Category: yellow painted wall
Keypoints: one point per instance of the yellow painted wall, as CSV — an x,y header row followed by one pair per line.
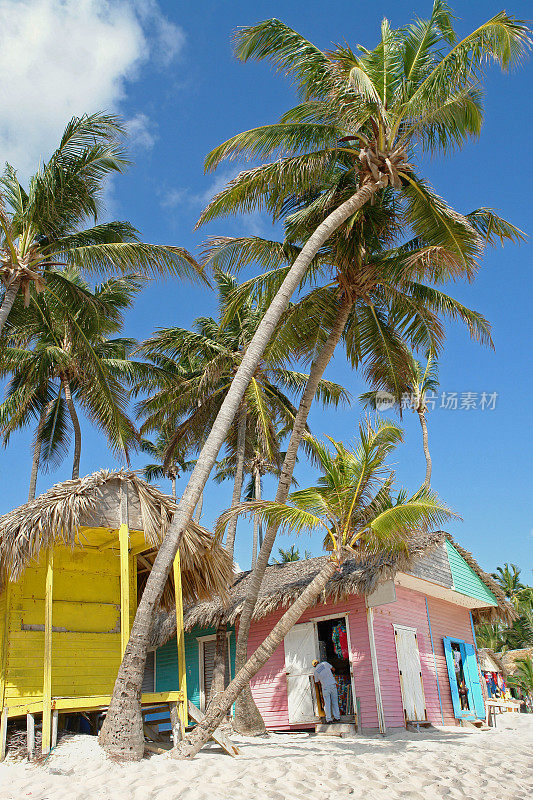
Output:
x,y
85,621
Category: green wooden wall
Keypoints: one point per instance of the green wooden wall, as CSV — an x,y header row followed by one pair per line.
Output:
x,y
166,663
465,579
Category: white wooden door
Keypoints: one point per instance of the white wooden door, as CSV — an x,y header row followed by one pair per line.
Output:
x,y
410,674
301,647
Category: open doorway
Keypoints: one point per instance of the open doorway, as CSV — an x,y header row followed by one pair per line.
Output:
x,y
333,647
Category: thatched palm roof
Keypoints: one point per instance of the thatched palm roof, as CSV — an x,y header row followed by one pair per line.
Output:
x,y
485,653
60,515
283,583
510,657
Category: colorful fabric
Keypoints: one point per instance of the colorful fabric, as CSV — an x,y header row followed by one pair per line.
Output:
x,y
344,689
340,640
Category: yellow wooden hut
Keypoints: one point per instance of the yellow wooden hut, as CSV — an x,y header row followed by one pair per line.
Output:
x,y
72,565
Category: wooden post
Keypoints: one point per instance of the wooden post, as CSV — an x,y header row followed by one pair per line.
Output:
x,y
47,673
3,732
55,721
123,537
375,670
30,734
180,640
4,640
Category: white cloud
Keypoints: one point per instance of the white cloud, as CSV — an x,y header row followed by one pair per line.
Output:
x,y
61,58
141,132
252,224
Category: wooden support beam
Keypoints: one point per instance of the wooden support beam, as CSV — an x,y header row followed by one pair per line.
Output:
x,y
3,732
30,734
124,537
55,722
180,639
47,671
4,638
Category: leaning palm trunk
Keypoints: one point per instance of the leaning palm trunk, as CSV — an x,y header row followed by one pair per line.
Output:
x,y
77,430
219,666
423,423
247,718
122,732
198,509
7,303
257,496
37,452
203,730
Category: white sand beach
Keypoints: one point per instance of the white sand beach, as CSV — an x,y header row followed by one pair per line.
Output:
x,y
445,762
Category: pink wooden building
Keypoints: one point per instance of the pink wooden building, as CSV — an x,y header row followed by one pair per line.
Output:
x,y
402,641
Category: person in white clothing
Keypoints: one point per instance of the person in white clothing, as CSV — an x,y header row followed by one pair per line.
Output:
x,y
324,676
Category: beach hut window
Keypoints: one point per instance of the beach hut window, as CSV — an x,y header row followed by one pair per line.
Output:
x,y
149,673
463,674
207,664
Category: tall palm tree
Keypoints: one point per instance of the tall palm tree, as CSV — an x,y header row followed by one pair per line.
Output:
x,y
70,351
508,577
353,507
418,86
208,358
415,384
43,226
164,466
377,291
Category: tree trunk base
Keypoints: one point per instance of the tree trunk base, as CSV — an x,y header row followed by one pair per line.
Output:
x,y
127,742
248,721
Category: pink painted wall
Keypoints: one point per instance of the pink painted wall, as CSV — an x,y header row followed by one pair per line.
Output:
x,y
447,619
409,609
269,686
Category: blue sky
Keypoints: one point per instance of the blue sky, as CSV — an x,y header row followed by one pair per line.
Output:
x,y
169,70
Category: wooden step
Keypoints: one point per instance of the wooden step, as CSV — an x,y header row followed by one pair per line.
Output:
x,y
335,729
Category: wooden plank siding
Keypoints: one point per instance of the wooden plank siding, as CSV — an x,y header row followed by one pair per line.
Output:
x,y
166,663
447,619
85,626
410,610
269,686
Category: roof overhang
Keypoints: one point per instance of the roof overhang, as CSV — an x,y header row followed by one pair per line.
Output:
x,y
441,592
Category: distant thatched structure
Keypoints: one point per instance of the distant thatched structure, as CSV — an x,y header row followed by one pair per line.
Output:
x,y
283,583
510,657
60,515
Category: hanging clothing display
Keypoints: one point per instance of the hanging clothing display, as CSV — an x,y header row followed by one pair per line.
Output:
x,y
344,692
340,640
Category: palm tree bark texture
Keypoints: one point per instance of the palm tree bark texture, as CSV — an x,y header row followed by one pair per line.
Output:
x,y
122,733
247,717
221,649
77,430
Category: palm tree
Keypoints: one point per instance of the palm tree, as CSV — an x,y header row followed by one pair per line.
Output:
x,y
508,577
418,86
208,358
522,678
353,507
163,466
292,554
43,226
415,385
374,296
69,351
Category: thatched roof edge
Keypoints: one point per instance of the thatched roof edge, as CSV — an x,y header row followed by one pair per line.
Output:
x,y
283,583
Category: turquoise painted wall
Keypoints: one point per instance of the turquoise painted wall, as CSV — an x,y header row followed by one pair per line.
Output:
x,y
166,663
465,579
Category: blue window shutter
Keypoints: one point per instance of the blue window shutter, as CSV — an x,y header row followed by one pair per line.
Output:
x,y
458,713
473,674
